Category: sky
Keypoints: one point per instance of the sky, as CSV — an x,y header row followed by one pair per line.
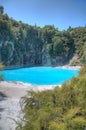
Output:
x,y
60,13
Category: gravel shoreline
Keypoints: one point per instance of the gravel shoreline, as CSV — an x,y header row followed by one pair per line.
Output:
x,y
10,109
10,95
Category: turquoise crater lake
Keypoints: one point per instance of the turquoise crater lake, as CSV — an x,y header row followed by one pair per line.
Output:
x,y
40,75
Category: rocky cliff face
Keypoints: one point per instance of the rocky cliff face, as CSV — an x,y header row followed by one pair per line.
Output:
x,y
10,55
19,47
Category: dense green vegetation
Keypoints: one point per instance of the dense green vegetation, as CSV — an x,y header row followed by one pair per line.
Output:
x,y
22,44
63,108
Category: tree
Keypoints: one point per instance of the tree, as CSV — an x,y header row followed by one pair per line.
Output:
x,y
1,9
57,46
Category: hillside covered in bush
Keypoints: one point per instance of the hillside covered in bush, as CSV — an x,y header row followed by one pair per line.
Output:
x,y
22,44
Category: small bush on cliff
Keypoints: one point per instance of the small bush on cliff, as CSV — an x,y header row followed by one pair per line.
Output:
x,y
1,68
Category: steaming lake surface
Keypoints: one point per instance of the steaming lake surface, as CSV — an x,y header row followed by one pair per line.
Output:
x,y
40,75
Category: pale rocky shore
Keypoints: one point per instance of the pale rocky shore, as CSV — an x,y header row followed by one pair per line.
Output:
x,y
69,67
9,104
10,95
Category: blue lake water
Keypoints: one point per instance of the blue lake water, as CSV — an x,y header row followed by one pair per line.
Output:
x,y
40,75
